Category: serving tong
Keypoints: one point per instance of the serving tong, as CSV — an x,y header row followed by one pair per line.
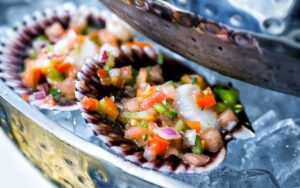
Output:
x,y
232,53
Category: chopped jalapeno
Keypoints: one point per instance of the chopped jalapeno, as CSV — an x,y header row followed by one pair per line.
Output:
x,y
160,58
238,108
107,68
172,113
54,92
197,148
41,38
227,95
146,137
180,126
55,76
144,124
194,80
160,108
33,55
221,107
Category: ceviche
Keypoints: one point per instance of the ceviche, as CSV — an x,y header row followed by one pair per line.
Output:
x,y
57,55
186,118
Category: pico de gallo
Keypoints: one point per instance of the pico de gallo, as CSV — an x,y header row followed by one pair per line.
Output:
x,y
57,55
165,117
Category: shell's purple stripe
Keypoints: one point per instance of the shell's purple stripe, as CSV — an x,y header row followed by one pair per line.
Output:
x,y
88,84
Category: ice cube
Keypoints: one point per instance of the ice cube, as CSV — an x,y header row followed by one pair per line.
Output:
x,y
226,177
80,127
62,118
277,150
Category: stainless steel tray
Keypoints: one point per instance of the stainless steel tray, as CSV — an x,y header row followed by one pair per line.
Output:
x,y
64,157
71,161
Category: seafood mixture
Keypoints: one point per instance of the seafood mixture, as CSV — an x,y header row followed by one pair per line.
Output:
x,y
57,55
186,118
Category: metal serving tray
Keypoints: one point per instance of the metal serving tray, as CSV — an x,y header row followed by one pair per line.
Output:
x,y
71,161
64,157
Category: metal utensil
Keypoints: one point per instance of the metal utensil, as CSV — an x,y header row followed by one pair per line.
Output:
x,y
236,54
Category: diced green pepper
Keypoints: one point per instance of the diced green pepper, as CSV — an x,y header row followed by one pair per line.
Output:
x,y
221,107
55,76
194,80
42,38
228,96
49,47
166,108
54,92
180,126
160,108
33,55
171,82
160,58
101,107
149,69
197,148
172,113
142,115
107,68
144,124
237,108
87,30
111,60
146,137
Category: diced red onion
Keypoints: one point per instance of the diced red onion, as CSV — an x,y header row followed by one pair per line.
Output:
x,y
103,57
167,133
39,95
158,123
43,87
42,45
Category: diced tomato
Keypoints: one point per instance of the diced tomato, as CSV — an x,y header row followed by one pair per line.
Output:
x,y
50,101
25,96
89,103
110,108
193,125
31,77
63,67
102,73
206,101
158,145
153,99
135,132
139,44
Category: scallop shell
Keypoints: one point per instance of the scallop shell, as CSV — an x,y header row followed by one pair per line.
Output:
x,y
13,46
112,133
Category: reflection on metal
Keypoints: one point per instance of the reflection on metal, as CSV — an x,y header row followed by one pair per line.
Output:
x,y
65,165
